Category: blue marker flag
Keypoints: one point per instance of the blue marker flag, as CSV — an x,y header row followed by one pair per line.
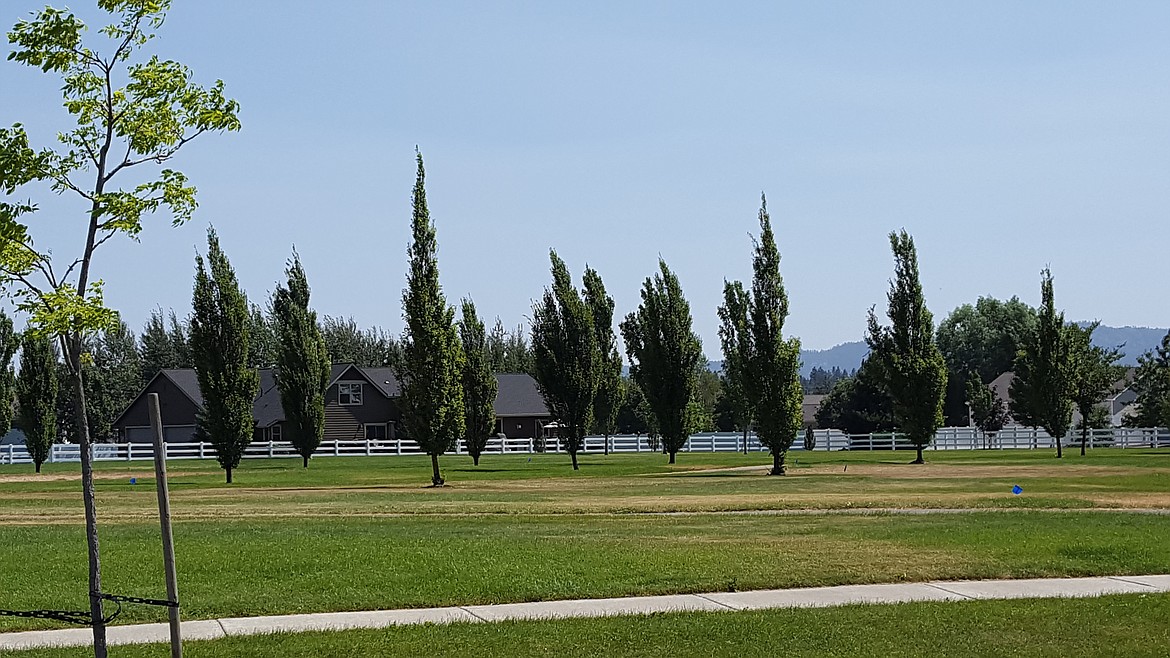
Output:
x,y
133,480
1017,490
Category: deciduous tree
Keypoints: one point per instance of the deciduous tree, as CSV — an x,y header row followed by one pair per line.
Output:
x,y
988,412
9,342
1152,384
564,350
1093,371
905,352
608,397
302,372
665,354
735,339
36,388
479,383
219,344
1042,389
431,368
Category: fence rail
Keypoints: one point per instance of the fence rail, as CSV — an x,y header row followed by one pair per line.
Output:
x,y
947,438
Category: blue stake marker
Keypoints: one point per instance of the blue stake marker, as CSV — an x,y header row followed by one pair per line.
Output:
x,y
133,480
1017,490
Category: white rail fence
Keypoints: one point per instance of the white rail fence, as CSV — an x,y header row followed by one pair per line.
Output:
x,y
947,438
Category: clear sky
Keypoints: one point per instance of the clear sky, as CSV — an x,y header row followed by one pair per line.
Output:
x,y
1004,136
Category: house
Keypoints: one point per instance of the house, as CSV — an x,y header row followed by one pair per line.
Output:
x,y
809,408
360,403
1116,403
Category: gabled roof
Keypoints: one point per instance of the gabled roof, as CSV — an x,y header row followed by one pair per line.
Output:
x,y
185,380
518,396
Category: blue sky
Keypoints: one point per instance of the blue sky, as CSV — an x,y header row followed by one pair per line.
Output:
x,y
1005,136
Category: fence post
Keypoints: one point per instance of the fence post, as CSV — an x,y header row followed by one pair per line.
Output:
x,y
270,448
397,445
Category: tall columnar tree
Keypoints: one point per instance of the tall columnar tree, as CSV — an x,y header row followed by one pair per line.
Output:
x,y
1093,371
302,372
479,383
564,350
906,354
987,410
1042,389
1152,385
219,344
132,116
773,367
665,354
9,342
735,339
431,368
608,398
36,389
263,343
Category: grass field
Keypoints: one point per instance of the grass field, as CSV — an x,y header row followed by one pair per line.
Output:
x,y
1127,625
360,533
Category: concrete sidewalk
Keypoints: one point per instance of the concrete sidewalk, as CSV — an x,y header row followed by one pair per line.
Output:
x,y
814,597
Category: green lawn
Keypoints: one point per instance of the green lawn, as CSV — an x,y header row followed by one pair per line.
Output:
x,y
1124,625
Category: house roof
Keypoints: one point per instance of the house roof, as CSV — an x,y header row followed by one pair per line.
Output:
x,y
809,407
518,396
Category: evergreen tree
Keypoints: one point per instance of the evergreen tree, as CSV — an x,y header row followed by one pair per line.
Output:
x,y
665,355
302,373
1042,389
608,398
112,379
905,353
161,348
564,347
36,388
860,404
773,369
9,342
1152,385
431,366
1093,371
479,383
219,344
346,342
735,339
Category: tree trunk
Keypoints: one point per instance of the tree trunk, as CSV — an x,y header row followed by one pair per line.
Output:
x,y
306,461
671,457
919,460
745,440
1059,449
573,454
475,459
1084,435
38,465
606,445
73,347
778,467
229,474
436,479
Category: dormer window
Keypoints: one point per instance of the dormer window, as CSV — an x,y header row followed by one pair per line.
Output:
x,y
349,393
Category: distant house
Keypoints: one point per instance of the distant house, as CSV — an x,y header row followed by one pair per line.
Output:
x,y
360,403
1116,403
809,409
15,437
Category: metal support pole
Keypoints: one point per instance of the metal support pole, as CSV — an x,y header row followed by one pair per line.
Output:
x,y
164,518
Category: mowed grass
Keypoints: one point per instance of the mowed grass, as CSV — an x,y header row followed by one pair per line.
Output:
x,y
519,484
270,566
1124,625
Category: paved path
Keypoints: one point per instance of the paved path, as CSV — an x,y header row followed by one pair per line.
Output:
x,y
815,597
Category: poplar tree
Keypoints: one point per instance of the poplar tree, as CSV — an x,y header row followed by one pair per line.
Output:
x,y
905,353
1041,391
609,396
1093,370
564,351
219,347
479,383
9,342
735,339
36,388
773,367
302,373
665,354
430,370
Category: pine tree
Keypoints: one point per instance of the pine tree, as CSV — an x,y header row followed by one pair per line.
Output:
x,y
735,339
906,354
302,373
773,369
1042,389
665,355
219,347
9,342
112,379
161,348
564,348
36,388
1152,385
431,366
608,397
479,383
1093,371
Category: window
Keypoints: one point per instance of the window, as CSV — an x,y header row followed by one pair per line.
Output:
x,y
375,432
277,434
349,393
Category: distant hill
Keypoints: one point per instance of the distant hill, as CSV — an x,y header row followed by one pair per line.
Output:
x,y
1133,342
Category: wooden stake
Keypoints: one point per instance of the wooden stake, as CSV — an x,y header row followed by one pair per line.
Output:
x,y
164,518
